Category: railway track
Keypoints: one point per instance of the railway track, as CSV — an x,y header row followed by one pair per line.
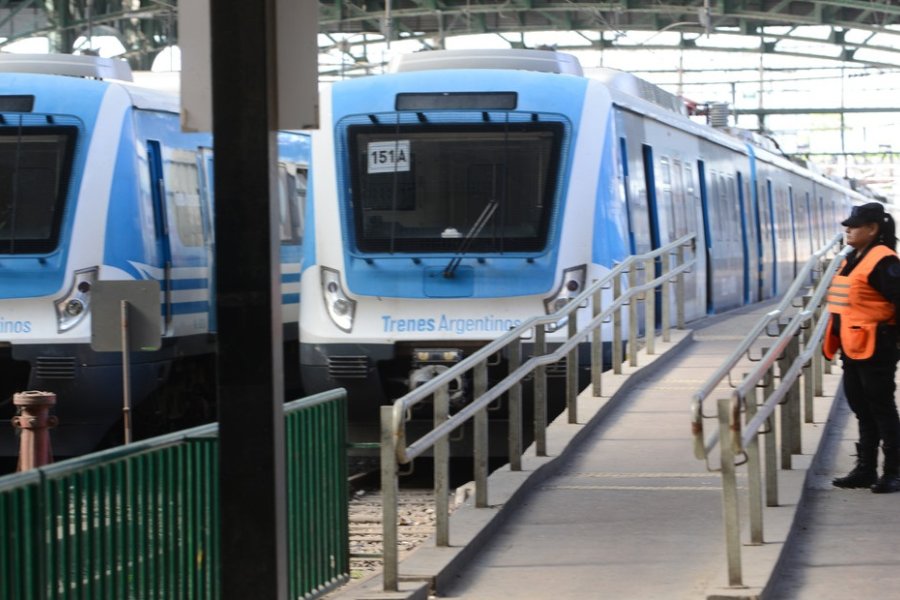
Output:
x,y
416,523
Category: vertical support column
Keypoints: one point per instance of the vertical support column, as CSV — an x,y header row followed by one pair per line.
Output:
x,y
785,411
632,317
650,308
514,360
249,358
729,494
754,476
666,297
794,399
572,371
679,290
389,493
540,393
771,442
597,346
480,434
442,469
617,328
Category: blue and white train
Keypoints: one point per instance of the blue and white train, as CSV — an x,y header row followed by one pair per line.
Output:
x,y
471,190
98,182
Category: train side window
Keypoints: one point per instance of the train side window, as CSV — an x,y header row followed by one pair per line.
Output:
x,y
667,197
292,200
690,198
182,184
678,205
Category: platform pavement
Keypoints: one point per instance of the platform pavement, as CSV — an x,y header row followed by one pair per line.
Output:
x,y
621,508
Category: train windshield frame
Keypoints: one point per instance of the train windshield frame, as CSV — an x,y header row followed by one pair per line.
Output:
x,y
434,188
35,170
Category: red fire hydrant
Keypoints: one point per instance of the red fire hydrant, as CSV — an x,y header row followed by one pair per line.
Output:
x,y
33,422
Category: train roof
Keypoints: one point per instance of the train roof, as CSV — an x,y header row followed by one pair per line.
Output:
x,y
544,61
95,68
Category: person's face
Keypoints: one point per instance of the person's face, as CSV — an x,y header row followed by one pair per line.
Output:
x,y
860,237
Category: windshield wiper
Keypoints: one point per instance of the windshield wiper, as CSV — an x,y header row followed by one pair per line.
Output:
x,y
489,209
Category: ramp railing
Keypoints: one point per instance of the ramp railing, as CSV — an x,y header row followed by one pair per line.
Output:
x,y
663,268
794,350
142,520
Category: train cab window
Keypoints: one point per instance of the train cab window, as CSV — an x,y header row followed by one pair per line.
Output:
x,y
426,188
292,202
182,183
35,164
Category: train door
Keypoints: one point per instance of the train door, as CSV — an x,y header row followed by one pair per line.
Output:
x,y
292,183
631,132
707,222
721,216
766,241
652,201
161,225
187,289
748,240
783,236
207,193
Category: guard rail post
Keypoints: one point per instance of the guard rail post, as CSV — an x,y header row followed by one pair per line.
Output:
x,y
807,374
754,475
633,317
617,329
481,441
679,289
771,441
729,493
666,261
819,362
540,393
442,469
597,346
650,308
572,372
787,426
389,492
793,353
514,360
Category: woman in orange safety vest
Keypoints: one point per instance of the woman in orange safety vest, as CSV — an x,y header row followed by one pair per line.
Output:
x,y
864,301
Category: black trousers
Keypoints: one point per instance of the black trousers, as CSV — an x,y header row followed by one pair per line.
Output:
x,y
869,387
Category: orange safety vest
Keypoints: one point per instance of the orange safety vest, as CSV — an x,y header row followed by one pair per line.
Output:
x,y
861,308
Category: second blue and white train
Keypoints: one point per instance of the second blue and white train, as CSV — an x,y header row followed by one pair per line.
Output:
x,y
99,183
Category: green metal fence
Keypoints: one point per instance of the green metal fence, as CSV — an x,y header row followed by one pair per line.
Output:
x,y
142,521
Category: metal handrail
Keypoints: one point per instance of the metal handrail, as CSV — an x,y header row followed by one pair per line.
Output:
x,y
403,404
394,449
740,444
702,447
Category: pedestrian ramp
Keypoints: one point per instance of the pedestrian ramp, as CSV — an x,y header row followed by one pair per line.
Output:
x,y
620,507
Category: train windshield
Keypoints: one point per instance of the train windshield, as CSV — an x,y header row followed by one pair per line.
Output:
x,y
34,171
436,188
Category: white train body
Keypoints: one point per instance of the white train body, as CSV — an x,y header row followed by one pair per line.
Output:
x,y
98,182
468,192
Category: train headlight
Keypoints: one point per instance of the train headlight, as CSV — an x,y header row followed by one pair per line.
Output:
x,y
72,308
570,286
340,308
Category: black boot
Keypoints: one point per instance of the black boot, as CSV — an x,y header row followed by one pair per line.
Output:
x,y
889,482
865,473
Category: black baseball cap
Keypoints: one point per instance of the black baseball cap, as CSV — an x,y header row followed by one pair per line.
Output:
x,y
873,212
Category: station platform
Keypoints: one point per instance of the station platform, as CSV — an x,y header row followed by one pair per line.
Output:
x,y
622,509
